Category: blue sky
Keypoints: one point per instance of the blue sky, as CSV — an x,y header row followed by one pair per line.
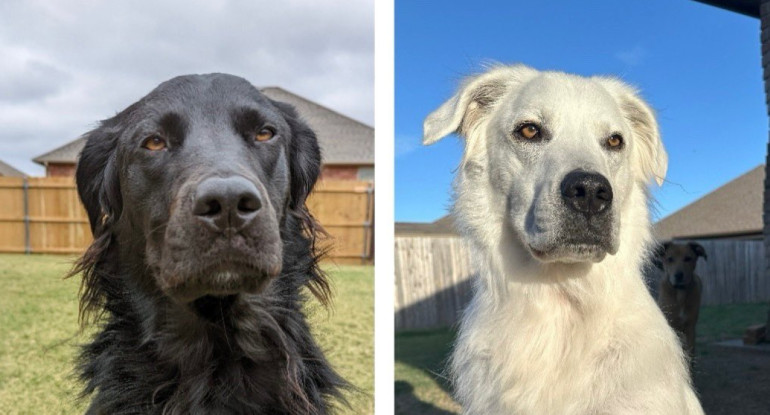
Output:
x,y
698,66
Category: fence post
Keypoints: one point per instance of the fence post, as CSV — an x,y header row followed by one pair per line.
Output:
x,y
368,223
25,189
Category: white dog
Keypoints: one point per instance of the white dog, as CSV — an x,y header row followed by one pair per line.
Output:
x,y
552,195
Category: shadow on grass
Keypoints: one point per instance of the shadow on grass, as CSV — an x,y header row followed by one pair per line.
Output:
x,y
421,358
428,351
407,402
422,351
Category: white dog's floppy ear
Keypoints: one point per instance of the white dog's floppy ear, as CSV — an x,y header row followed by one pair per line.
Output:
x,y
649,151
473,99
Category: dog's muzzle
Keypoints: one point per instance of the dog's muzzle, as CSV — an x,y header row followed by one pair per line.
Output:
x,y
586,220
588,194
224,240
226,204
678,281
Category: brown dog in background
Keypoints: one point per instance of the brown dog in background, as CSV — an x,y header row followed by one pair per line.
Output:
x,y
680,289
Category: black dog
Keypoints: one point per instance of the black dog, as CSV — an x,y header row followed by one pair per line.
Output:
x,y
202,245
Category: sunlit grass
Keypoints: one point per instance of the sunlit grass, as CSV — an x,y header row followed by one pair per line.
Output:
x,y
39,334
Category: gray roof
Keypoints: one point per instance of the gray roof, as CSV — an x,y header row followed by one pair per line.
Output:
x,y
444,226
343,140
67,153
8,171
735,208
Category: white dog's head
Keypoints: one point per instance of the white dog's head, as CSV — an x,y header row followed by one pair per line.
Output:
x,y
552,156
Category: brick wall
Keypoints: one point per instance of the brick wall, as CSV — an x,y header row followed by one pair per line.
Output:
x,y
60,170
339,172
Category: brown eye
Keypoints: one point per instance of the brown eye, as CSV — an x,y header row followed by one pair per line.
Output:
x,y
264,134
529,131
154,143
615,141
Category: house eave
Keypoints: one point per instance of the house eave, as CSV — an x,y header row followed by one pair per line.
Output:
x,y
726,235
745,7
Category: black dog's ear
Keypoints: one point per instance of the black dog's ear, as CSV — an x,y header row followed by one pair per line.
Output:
x,y
304,157
97,180
698,249
305,167
99,190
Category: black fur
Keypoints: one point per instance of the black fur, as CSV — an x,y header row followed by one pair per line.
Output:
x,y
237,353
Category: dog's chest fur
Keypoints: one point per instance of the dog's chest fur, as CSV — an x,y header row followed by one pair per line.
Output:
x,y
254,356
551,352
559,343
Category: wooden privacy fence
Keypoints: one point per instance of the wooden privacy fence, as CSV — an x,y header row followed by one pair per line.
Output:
x,y
44,215
433,278
433,281
346,211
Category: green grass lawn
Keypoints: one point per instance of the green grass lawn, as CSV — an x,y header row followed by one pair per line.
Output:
x,y
728,321
421,387
39,334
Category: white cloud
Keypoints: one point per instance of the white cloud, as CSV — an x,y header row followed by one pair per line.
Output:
x,y
632,57
406,144
67,64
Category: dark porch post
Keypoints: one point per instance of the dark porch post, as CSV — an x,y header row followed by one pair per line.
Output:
x,y
764,13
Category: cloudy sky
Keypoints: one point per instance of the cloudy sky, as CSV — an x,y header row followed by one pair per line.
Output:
x,y
66,64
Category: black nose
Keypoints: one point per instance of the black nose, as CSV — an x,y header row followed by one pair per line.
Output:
x,y
229,202
587,193
678,277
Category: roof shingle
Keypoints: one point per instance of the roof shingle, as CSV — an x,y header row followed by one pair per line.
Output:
x,y
343,140
732,209
443,226
9,171
67,153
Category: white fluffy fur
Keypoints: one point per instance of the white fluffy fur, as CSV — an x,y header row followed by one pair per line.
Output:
x,y
557,337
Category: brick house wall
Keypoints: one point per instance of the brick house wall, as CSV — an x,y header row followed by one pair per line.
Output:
x,y
339,172
60,169
347,172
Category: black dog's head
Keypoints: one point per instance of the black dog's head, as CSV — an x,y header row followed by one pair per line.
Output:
x,y
193,182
